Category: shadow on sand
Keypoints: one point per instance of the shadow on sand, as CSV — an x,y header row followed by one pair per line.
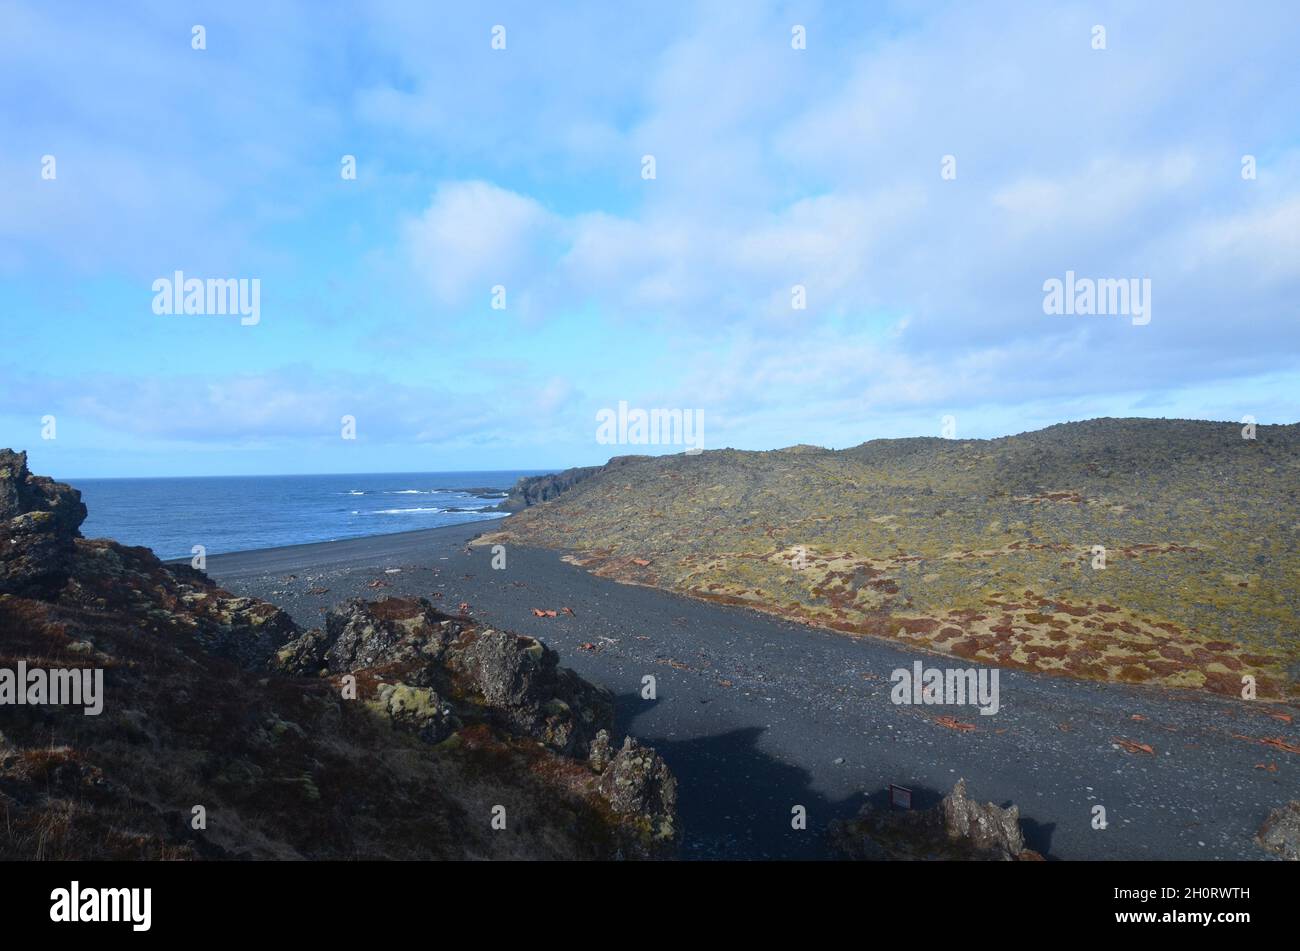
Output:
x,y
735,801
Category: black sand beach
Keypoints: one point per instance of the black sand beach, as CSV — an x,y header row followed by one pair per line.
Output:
x,y
756,715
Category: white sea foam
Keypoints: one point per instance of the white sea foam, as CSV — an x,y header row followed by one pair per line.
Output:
x,y
405,511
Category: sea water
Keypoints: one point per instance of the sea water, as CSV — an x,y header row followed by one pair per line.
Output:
x,y
242,513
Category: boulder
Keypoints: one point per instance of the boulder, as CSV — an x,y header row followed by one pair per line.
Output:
x,y
304,656
418,709
1280,833
985,828
519,679
362,634
600,753
636,780
21,493
511,680
957,828
641,790
247,631
40,520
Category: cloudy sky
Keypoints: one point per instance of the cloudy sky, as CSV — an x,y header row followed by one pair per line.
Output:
x,y
523,167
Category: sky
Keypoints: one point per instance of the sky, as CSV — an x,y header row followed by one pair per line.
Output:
x,y
915,172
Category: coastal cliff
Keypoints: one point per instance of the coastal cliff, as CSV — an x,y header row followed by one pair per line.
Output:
x,y
534,490
227,732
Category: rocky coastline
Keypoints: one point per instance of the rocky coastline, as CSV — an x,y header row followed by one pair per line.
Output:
x,y
227,732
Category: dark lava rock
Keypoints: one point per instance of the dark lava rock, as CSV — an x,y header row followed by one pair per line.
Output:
x,y
39,524
507,679
600,753
1280,832
392,630
247,631
638,783
437,675
21,492
304,655
418,709
533,490
387,735
957,828
519,678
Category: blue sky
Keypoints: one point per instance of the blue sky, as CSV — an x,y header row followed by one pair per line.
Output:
x,y
523,167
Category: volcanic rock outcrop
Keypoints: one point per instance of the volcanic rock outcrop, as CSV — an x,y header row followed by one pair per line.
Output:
x,y
533,490
227,732
1280,833
39,522
957,828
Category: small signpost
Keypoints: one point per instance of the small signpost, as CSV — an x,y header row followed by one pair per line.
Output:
x,y
900,797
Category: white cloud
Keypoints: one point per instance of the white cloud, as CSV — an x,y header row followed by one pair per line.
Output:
x,y
1263,243
776,167
472,236
293,404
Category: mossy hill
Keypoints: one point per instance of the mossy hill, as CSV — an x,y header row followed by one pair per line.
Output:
x,y
981,549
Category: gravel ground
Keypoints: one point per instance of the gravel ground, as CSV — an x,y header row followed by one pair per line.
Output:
x,y
756,715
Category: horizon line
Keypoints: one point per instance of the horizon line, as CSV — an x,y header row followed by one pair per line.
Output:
x,y
552,469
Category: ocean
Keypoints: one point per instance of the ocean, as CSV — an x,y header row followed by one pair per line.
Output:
x,y
241,513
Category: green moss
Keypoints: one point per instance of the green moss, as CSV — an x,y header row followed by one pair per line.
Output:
x,y
1184,515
